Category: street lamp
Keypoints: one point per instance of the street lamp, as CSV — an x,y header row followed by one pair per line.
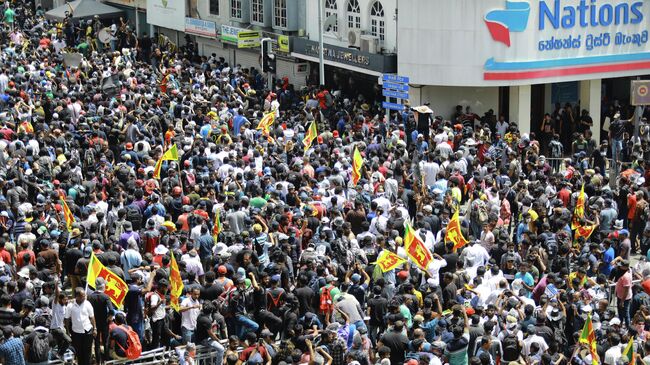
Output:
x,y
322,28
321,61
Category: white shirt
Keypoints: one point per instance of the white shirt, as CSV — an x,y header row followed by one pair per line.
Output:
x,y
534,338
188,318
80,315
612,355
434,271
159,312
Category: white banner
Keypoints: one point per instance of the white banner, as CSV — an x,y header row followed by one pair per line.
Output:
x,y
167,13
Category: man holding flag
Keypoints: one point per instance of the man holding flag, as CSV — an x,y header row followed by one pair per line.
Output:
x,y
310,136
170,155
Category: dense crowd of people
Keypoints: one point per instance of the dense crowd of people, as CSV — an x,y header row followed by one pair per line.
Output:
x,y
147,162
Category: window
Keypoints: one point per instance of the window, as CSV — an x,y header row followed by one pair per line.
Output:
x,y
257,11
280,14
354,14
377,21
331,9
214,7
235,9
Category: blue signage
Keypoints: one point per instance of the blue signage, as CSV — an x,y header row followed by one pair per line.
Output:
x,y
392,106
395,94
395,86
591,15
396,78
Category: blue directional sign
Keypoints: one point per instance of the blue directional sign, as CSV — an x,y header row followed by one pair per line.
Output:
x,y
395,94
395,86
396,78
392,106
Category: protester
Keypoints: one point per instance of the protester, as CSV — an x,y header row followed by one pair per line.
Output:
x,y
155,199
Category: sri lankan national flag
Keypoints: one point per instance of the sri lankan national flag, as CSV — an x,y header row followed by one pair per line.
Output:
x,y
216,229
357,164
170,155
415,248
175,284
67,213
584,231
588,336
629,352
116,288
311,135
454,233
388,261
265,124
579,211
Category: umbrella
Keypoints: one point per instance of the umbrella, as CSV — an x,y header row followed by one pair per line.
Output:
x,y
423,109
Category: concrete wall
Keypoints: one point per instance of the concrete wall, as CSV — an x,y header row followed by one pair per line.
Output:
x,y
444,99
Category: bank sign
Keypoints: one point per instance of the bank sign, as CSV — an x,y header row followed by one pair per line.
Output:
x,y
520,42
571,37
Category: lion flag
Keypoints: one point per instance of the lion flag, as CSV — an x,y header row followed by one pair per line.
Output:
x,y
415,248
579,211
357,164
116,288
388,261
175,284
454,233
67,213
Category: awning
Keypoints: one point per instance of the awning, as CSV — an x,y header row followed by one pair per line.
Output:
x,y
85,9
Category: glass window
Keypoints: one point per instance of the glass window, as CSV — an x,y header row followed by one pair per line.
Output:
x,y
332,9
354,14
235,9
257,11
280,14
377,21
214,7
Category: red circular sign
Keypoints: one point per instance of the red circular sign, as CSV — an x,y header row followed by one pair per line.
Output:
x,y
643,90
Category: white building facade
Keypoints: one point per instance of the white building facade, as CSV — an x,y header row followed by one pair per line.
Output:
x,y
520,57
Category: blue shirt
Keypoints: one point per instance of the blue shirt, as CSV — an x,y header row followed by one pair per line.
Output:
x,y
608,257
12,351
237,122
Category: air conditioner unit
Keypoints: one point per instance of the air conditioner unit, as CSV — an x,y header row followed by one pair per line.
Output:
x,y
369,43
354,38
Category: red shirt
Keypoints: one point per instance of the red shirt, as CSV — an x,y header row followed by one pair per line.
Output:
x,y
565,196
247,352
631,205
19,258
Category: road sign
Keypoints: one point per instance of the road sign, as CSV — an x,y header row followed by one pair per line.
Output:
x,y
395,86
640,92
395,94
392,106
396,78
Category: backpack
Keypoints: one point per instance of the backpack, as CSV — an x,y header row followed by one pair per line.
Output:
x,y
481,211
551,245
39,351
147,303
134,216
134,348
511,348
329,100
226,304
275,303
326,302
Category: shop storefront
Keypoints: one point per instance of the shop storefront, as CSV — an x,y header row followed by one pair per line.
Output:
x,y
345,68
520,57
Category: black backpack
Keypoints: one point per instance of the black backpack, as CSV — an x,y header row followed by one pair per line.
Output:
x,y
39,351
134,216
511,348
